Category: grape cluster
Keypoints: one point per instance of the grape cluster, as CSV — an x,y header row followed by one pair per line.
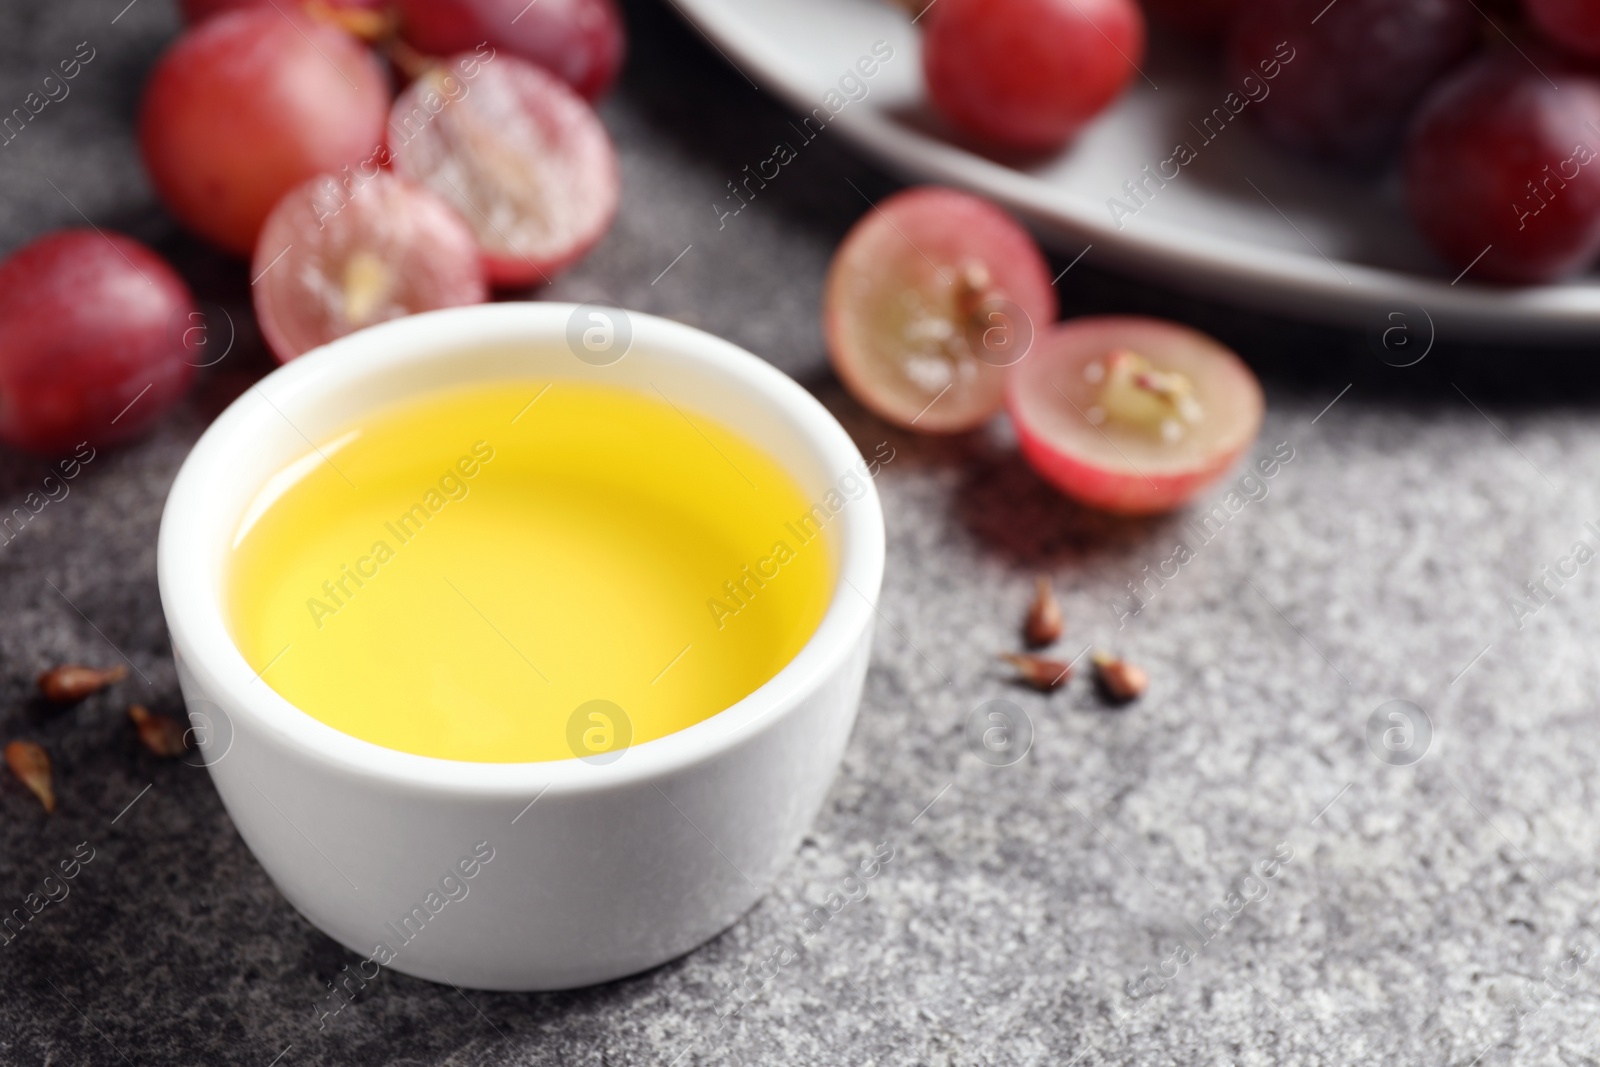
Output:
x,y
271,129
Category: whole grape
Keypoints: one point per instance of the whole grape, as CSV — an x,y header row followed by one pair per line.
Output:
x,y
579,41
249,104
92,340
1029,74
1502,171
1351,72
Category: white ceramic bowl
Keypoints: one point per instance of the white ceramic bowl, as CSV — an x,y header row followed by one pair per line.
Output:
x,y
615,867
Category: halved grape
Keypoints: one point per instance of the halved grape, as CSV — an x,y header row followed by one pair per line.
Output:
x,y
521,156
1338,81
1132,415
249,104
92,331
580,41
1503,170
1028,74
333,259
929,297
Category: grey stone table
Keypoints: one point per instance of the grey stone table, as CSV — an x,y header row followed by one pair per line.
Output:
x,y
1441,912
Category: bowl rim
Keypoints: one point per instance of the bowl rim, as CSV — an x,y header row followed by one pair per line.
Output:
x,y
192,603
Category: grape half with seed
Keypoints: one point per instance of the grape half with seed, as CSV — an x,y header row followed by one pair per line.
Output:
x,y
1132,415
929,298
335,257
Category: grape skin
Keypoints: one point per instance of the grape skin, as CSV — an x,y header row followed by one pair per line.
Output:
x,y
93,333
1028,74
1359,68
580,41
249,104
1501,159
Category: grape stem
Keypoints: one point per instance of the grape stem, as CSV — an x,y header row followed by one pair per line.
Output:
x,y
370,26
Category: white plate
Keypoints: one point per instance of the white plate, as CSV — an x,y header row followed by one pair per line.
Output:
x,y
1243,222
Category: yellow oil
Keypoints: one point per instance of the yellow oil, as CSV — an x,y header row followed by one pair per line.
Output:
x,y
464,575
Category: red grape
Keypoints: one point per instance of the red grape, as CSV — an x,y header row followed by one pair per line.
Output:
x,y
1572,24
523,158
1028,74
91,340
1349,74
1207,19
1502,160
1131,415
333,259
580,41
199,10
929,298
248,105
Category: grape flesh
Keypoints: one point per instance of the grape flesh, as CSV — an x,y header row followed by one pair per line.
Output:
x,y
522,157
1505,166
96,341
930,297
1132,415
249,104
335,256
1028,74
580,41
1345,78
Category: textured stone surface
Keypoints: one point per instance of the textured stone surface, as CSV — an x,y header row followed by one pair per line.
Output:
x,y
1415,923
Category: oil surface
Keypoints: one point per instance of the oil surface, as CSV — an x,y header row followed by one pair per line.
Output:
x,y
464,576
